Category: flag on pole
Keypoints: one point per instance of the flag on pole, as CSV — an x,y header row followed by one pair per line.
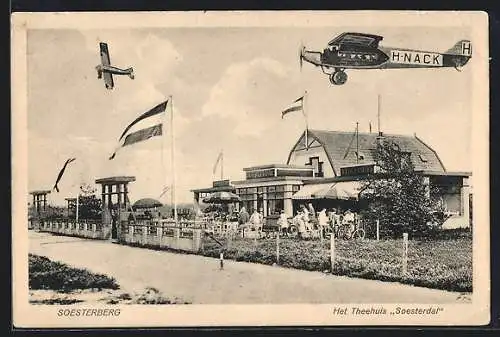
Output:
x,y
148,125
295,106
219,158
61,172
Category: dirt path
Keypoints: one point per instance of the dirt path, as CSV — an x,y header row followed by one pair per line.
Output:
x,y
198,279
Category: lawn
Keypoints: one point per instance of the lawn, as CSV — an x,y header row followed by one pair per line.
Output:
x,y
440,264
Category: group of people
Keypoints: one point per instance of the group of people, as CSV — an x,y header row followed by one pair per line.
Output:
x,y
255,221
306,219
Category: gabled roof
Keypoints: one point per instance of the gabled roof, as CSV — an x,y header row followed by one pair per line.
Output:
x,y
336,144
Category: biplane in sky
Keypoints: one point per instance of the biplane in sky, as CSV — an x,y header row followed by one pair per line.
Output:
x,y
362,51
106,70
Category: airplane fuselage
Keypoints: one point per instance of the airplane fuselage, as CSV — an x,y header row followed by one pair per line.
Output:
x,y
387,57
362,51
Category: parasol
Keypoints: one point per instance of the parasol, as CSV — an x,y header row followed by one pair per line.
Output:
x,y
342,191
147,203
221,197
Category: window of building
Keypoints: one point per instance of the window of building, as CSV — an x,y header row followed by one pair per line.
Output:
x,y
248,196
317,165
275,203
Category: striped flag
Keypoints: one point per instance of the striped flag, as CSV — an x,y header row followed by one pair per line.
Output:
x,y
219,158
61,172
145,126
295,106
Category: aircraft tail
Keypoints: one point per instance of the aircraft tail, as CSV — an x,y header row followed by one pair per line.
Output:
x,y
461,48
130,72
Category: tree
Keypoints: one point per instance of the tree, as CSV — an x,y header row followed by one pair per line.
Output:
x,y
89,206
398,196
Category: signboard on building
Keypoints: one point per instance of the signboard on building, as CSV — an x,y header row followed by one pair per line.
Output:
x,y
260,174
357,170
295,173
221,183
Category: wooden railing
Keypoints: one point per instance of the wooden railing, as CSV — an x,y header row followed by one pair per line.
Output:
x,y
86,228
162,234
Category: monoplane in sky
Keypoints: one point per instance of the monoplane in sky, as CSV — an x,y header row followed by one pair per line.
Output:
x,y
362,51
106,70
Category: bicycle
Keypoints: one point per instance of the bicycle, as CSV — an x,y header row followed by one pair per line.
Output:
x,y
346,231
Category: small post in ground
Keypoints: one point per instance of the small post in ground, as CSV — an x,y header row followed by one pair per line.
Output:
x,y
332,252
278,247
221,258
405,253
378,230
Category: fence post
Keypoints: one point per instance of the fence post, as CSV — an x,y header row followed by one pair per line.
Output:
x,y
405,253
378,230
278,248
332,252
221,257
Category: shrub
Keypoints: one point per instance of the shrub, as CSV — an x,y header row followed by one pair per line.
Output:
x,y
47,274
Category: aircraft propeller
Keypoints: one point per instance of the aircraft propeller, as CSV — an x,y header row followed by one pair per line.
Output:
x,y
301,54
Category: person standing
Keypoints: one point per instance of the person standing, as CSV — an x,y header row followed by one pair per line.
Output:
x,y
323,221
305,217
243,216
256,220
283,222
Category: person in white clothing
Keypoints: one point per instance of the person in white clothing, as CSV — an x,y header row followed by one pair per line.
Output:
x,y
283,222
256,220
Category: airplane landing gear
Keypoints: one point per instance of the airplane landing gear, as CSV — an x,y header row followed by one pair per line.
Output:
x,y
339,77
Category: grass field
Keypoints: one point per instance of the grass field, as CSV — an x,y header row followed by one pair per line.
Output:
x,y
440,264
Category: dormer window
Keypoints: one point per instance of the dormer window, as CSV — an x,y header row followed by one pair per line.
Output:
x,y
317,165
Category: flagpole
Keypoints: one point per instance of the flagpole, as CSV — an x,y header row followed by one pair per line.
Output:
x,y
163,150
174,200
357,142
222,165
304,111
378,113
77,202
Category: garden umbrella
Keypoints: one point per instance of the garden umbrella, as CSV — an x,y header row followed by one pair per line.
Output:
x,y
341,190
147,203
221,197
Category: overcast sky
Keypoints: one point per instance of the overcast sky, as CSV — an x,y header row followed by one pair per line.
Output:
x,y
229,86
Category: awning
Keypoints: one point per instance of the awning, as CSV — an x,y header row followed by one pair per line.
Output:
x,y
345,190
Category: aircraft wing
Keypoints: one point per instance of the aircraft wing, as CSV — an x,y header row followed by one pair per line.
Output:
x,y
368,40
108,80
104,54
108,77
